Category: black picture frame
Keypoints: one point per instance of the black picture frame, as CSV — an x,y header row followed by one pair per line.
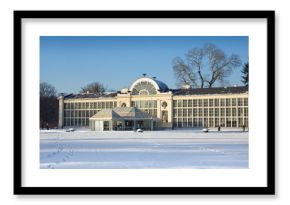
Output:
x,y
19,189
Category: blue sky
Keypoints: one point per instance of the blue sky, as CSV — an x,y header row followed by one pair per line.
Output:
x,y
71,62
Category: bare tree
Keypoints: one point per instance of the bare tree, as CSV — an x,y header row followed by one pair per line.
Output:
x,y
47,90
205,66
95,87
48,105
184,73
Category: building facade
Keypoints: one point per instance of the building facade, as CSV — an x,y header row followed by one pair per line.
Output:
x,y
170,108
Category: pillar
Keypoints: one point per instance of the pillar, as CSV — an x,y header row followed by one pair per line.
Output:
x,y
60,111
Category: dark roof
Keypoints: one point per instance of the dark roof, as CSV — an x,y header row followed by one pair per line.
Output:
x,y
132,113
205,91
163,87
89,95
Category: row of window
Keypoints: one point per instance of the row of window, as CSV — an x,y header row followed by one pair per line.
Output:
x,y
211,102
89,105
80,113
198,112
149,106
144,104
210,122
78,122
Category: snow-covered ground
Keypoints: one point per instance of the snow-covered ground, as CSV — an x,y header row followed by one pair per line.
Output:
x,y
175,149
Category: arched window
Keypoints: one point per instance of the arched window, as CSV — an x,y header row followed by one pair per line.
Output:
x,y
144,88
123,105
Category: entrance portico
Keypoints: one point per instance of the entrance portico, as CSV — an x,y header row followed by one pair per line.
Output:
x,y
122,118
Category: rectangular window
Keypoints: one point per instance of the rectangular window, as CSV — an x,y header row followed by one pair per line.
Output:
x,y
155,104
222,102
241,123
174,122
228,110
174,103
179,103
210,122
228,102
229,123
115,104
184,113
189,122
184,103
245,111
184,122
205,122
216,122
234,122
190,112
194,112
194,103
240,112
205,112
189,103
222,122
200,112
240,101
155,113
175,112
216,103
234,101
205,102
200,103
216,112
210,102
234,112
194,122
246,122
83,121
179,112
211,112
222,112
245,101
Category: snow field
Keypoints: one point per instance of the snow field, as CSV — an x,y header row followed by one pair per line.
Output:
x,y
177,149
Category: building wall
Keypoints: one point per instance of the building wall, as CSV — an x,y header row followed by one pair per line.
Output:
x,y
78,111
226,110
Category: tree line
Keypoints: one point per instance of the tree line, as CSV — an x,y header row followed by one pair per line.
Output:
x,y
49,102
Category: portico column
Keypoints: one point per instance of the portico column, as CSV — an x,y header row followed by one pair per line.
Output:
x,y
151,124
134,124
60,111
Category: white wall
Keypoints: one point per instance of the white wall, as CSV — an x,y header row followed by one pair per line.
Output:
x,y
282,98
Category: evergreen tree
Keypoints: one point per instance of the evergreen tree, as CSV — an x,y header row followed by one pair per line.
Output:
x,y
245,76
